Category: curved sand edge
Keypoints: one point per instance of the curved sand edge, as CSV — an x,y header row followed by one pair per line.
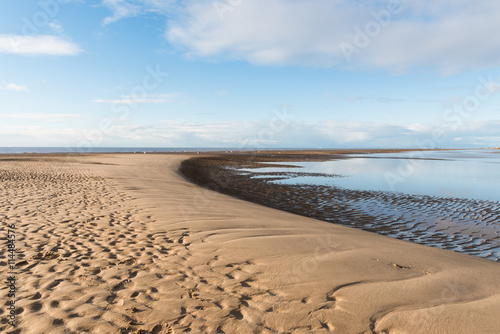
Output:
x,y
293,273
129,246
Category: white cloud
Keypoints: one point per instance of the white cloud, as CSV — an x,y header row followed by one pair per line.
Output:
x,y
52,117
150,98
447,35
130,8
56,26
35,136
450,35
37,45
120,9
262,134
327,133
15,87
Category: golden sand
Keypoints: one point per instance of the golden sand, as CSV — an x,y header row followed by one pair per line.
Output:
x,y
124,244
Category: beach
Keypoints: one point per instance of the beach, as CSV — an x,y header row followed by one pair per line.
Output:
x,y
123,243
447,219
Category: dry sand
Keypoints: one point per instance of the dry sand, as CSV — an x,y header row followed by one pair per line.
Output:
x,y
128,245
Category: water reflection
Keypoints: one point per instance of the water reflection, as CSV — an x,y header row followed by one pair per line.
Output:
x,y
462,174
445,199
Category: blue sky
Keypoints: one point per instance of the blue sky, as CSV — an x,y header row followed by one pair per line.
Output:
x,y
250,73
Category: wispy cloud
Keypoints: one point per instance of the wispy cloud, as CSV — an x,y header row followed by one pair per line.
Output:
x,y
38,135
56,26
129,8
37,45
120,9
385,99
51,117
14,87
150,98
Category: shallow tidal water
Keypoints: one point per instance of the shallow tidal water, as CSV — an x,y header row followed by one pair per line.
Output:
x,y
445,199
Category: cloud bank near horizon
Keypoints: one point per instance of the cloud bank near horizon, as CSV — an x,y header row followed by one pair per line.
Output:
x,y
261,134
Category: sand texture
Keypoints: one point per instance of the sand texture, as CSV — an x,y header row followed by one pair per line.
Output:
x,y
124,244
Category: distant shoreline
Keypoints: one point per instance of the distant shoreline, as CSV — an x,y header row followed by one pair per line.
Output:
x,y
205,150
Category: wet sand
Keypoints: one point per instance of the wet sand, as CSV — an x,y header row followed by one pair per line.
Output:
x,y
463,225
125,244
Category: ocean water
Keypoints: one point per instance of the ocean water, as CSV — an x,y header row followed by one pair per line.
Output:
x,y
444,199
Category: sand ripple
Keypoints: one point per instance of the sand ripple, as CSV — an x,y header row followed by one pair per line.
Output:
x,y
86,260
